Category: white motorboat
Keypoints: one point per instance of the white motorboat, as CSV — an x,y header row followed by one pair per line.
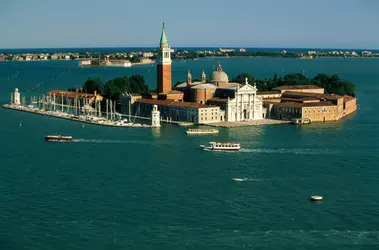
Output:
x,y
316,198
239,179
222,146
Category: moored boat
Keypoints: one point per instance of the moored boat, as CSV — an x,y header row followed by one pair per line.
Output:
x,y
58,138
201,131
239,179
316,198
221,146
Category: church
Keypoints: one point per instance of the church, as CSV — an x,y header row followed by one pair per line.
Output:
x,y
200,102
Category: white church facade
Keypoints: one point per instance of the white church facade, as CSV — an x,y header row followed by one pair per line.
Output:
x,y
245,106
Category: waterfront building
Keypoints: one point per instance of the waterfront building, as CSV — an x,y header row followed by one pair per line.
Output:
x,y
172,110
117,63
70,98
239,102
313,107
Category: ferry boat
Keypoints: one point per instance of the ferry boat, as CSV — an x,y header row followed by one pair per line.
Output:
x,y
58,138
222,146
200,131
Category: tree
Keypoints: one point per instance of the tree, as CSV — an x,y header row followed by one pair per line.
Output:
x,y
94,84
241,78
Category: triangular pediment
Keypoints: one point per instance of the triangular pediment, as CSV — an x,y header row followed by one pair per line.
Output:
x,y
247,88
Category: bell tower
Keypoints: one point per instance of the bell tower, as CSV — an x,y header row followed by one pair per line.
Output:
x,y
164,84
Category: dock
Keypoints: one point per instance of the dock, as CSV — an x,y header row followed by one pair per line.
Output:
x,y
182,124
247,123
83,119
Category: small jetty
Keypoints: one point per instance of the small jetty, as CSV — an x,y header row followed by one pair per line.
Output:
x,y
201,131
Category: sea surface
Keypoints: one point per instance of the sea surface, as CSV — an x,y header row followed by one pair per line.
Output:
x,y
119,188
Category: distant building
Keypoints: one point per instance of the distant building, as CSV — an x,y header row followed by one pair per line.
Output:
x,y
84,63
2,57
148,54
117,63
226,50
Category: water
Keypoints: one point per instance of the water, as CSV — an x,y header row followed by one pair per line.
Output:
x,y
117,188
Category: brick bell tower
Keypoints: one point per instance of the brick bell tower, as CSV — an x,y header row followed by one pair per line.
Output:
x,y
164,84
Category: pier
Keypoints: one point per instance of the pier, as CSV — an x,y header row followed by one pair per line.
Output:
x,y
83,119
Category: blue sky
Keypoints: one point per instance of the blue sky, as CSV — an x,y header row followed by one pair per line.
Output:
x,y
195,23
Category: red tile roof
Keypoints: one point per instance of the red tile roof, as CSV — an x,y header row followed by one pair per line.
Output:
x,y
274,92
298,87
315,95
71,94
170,102
305,105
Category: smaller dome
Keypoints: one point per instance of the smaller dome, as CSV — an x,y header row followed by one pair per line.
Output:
x,y
219,76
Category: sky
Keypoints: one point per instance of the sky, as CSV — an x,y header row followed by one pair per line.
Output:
x,y
195,23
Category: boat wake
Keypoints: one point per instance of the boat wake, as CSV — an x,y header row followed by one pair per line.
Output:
x,y
13,76
302,151
109,141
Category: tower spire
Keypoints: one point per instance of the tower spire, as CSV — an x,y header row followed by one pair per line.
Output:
x,y
189,77
163,37
203,77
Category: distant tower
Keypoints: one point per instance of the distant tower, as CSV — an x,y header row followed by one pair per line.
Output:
x,y
17,97
164,65
155,117
189,77
203,77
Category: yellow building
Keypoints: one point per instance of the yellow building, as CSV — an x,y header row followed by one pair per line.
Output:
x,y
311,107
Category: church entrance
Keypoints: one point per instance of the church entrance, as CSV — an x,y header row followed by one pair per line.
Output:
x,y
244,114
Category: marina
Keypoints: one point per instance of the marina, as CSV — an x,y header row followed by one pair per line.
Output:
x,y
78,118
77,106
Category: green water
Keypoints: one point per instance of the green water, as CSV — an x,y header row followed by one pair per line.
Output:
x,y
118,188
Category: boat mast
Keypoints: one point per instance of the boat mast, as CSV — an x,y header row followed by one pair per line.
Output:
x,y
114,107
99,105
110,108
106,107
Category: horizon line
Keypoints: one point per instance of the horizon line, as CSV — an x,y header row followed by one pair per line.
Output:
x,y
150,47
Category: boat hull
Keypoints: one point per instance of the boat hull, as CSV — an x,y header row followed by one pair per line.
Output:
x,y
58,138
220,149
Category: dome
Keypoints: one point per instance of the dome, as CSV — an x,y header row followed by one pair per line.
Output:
x,y
219,76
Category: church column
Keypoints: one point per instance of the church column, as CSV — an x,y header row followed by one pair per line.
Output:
x,y
236,107
253,106
242,108
249,105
